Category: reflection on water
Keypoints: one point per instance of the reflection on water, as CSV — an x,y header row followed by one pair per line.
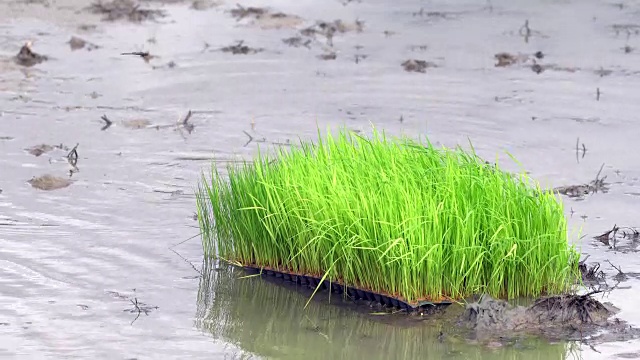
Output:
x,y
268,319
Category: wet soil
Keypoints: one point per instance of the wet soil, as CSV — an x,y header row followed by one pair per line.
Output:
x,y
66,252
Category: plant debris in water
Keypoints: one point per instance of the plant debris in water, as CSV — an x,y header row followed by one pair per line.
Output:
x,y
297,41
393,217
124,9
240,49
613,237
579,191
420,66
26,56
49,182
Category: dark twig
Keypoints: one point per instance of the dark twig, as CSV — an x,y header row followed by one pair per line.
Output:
x,y
72,157
597,94
108,122
251,138
187,261
143,54
139,308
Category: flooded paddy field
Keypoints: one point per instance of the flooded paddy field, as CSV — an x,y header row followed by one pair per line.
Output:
x,y
101,153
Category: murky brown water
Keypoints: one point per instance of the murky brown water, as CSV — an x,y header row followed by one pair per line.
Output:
x,y
70,258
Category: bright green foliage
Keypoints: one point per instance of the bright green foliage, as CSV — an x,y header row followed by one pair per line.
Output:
x,y
393,216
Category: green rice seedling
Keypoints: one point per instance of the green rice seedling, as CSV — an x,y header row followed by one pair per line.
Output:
x,y
397,216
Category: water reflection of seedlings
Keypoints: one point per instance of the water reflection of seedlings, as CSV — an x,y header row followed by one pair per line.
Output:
x,y
49,182
124,9
240,49
26,56
421,66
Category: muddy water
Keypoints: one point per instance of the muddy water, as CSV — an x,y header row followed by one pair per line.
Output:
x,y
80,263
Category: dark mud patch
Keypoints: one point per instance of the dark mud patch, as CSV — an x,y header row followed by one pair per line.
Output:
x,y
419,66
27,57
620,239
49,182
124,10
565,317
240,49
76,43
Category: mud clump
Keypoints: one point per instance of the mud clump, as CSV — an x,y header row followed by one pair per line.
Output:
x,y
554,316
124,9
49,182
420,66
26,56
76,43
579,191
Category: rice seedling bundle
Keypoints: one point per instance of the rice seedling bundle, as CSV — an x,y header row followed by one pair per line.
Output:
x,y
398,217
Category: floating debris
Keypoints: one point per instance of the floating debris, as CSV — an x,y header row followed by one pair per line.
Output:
x,y
240,49
297,41
49,182
26,56
612,237
420,66
124,9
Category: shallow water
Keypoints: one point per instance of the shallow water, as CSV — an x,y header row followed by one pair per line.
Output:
x,y
70,258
